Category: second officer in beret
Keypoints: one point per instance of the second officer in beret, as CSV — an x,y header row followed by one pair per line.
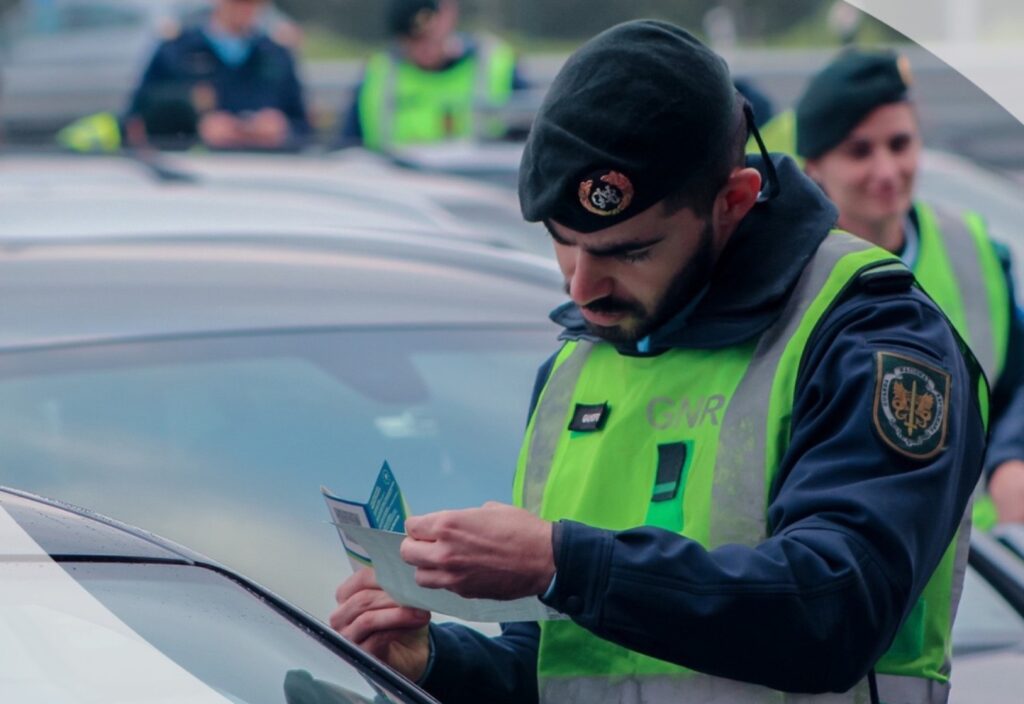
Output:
x,y
745,466
857,127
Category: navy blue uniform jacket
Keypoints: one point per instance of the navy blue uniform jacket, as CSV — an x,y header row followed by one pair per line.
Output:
x,y
266,79
855,528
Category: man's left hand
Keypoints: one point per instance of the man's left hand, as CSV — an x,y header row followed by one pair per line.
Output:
x,y
496,551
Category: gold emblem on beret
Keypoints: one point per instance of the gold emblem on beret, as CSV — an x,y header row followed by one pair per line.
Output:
x,y
606,193
903,66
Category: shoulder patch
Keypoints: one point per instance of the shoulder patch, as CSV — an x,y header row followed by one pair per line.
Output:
x,y
911,405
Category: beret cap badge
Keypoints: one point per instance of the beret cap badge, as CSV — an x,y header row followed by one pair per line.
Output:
x,y
606,193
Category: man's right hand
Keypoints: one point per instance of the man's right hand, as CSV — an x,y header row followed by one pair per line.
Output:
x,y
221,130
371,619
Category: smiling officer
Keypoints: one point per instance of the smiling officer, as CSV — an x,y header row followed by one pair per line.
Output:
x,y
858,130
746,469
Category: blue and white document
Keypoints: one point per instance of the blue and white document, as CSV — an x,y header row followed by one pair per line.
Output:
x,y
372,533
386,510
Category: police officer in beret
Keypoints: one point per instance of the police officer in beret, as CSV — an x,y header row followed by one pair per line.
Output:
x,y
433,84
747,466
224,83
857,127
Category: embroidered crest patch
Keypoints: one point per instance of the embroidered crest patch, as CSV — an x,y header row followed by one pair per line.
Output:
x,y
911,405
606,193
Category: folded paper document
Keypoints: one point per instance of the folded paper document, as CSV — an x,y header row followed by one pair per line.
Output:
x,y
372,533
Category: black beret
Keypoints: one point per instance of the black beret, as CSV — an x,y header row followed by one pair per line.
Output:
x,y
633,114
405,17
846,91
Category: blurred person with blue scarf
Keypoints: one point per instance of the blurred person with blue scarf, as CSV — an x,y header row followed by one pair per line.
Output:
x,y
224,83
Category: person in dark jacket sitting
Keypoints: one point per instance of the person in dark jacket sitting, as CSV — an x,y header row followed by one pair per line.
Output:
x,y
224,83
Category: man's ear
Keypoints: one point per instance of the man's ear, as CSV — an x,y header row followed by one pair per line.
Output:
x,y
737,197
812,171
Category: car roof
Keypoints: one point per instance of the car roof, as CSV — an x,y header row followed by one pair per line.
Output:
x,y
69,194
84,290
63,530
159,193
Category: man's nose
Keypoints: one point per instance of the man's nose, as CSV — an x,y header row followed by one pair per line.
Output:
x,y
886,166
589,280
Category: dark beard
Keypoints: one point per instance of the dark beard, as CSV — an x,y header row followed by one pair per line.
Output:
x,y
681,290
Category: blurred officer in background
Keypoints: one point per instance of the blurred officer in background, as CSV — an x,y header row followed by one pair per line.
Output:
x,y
745,470
858,130
225,83
432,84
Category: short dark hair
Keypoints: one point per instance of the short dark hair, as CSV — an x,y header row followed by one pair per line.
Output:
x,y
699,191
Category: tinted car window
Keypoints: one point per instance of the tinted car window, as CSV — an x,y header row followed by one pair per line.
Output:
x,y
223,443
169,625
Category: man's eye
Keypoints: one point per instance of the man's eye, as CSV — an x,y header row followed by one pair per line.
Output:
x,y
637,256
899,144
860,150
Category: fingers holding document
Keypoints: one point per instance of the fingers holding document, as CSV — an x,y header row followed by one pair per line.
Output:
x,y
372,620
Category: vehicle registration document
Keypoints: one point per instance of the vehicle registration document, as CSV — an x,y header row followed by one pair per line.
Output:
x,y
372,533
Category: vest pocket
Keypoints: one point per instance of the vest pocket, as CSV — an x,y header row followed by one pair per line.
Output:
x,y
666,507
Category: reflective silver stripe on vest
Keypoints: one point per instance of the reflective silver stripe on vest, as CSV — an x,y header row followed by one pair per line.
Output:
x,y
893,689
692,689
963,546
482,86
970,278
549,422
738,494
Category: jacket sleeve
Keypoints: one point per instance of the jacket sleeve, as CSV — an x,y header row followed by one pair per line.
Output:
x,y
1006,427
466,663
855,528
154,73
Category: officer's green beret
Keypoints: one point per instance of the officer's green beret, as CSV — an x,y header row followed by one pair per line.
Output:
x,y
845,92
634,113
406,17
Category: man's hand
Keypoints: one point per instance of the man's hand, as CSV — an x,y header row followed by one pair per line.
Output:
x,y
221,130
495,552
1006,487
267,129
371,619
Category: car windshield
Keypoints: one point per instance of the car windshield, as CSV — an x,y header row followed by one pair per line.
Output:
x,y
223,443
157,633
